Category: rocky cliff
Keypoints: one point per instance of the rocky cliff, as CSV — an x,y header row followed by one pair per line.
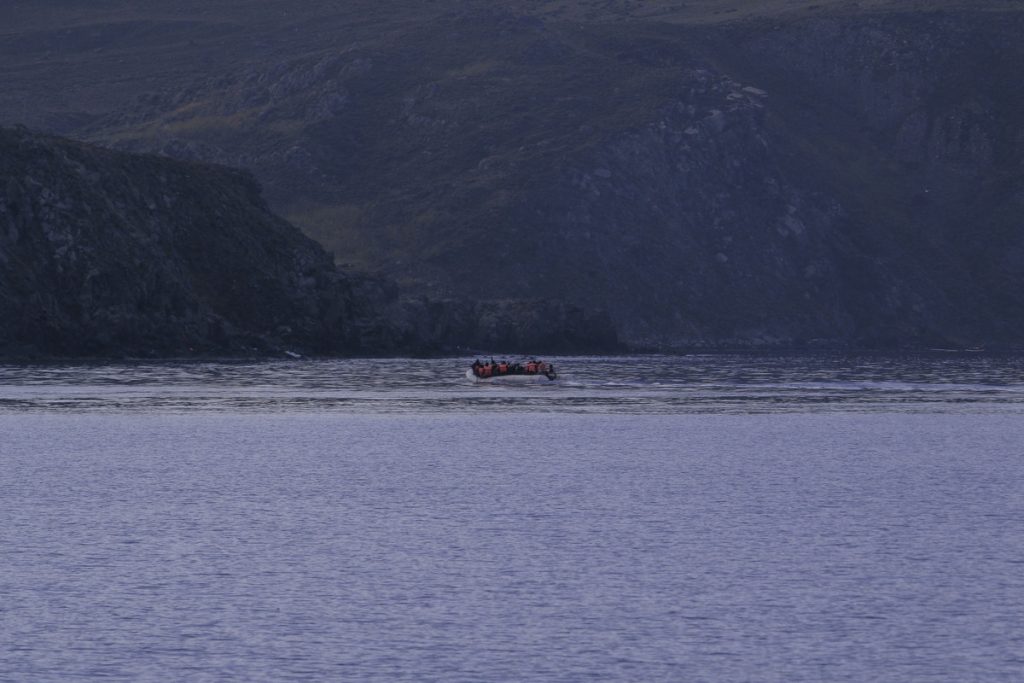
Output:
x,y
780,173
109,253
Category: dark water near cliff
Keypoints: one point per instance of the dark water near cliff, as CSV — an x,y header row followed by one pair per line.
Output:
x,y
705,518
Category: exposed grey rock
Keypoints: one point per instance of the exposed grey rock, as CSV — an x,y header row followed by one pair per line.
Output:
x,y
848,175
106,253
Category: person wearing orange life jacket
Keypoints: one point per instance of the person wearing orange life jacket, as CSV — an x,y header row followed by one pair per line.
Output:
x,y
485,370
531,367
503,368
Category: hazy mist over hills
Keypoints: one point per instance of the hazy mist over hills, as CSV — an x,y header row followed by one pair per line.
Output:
x,y
710,173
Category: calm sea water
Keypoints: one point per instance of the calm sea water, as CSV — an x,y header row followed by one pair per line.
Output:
x,y
699,518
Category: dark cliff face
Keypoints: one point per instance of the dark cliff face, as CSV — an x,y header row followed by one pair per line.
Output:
x,y
104,250
847,180
853,180
109,253
808,173
925,129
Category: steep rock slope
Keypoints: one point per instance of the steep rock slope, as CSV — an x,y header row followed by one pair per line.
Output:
x,y
103,252
742,173
924,137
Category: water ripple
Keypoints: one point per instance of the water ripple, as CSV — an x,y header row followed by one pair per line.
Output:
x,y
639,384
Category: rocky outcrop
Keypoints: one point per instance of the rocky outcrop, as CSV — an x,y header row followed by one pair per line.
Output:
x,y
722,244
785,174
106,253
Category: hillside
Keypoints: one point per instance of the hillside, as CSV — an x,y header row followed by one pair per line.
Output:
x,y
712,173
105,253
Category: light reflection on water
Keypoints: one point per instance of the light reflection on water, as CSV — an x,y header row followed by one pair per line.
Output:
x,y
640,384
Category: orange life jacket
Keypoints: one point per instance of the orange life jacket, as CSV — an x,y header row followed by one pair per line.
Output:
x,y
485,370
503,368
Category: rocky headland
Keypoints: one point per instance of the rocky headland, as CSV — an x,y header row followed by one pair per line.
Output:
x,y
104,253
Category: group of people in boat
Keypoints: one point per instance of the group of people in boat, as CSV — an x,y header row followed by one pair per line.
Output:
x,y
503,367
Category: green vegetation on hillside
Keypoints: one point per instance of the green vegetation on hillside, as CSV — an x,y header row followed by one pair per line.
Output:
x,y
709,171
